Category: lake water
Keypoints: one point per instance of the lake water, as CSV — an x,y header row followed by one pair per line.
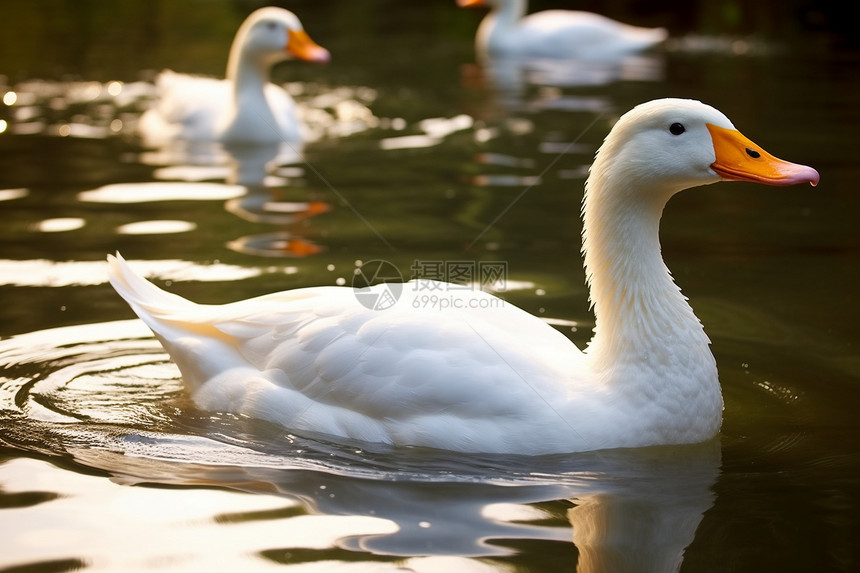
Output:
x,y
420,154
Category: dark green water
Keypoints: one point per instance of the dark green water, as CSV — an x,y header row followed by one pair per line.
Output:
x,y
105,466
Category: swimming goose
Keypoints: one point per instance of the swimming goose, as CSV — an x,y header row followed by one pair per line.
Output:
x,y
476,373
507,31
245,107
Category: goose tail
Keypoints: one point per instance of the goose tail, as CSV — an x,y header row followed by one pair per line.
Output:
x,y
147,300
194,342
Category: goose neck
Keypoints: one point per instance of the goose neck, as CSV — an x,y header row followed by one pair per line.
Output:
x,y
510,11
247,76
638,308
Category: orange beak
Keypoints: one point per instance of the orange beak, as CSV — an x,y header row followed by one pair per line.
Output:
x,y
739,159
470,3
301,46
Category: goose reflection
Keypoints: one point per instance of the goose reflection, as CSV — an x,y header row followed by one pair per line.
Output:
x,y
513,82
267,173
266,201
646,514
624,510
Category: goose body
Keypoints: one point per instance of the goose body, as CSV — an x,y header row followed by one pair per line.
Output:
x,y
508,31
477,374
244,107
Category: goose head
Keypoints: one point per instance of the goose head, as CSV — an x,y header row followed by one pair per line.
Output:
x,y
661,147
270,35
513,8
476,3
654,151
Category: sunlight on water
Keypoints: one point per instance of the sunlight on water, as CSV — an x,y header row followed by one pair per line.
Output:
x,y
168,191
59,225
435,131
10,194
43,273
193,529
440,127
51,273
511,512
192,173
163,227
409,142
42,106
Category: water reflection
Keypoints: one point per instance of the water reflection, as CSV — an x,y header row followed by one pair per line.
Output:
x,y
268,206
626,512
645,520
252,190
278,244
267,201
235,164
249,165
510,78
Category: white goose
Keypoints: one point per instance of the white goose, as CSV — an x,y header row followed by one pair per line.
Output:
x,y
481,375
507,31
245,107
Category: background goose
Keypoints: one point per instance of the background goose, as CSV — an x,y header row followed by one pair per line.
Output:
x,y
245,107
481,375
507,31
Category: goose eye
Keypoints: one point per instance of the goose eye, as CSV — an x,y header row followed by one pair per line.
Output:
x,y
271,25
677,129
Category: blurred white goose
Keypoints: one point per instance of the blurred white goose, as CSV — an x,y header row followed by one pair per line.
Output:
x,y
477,374
507,31
245,107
